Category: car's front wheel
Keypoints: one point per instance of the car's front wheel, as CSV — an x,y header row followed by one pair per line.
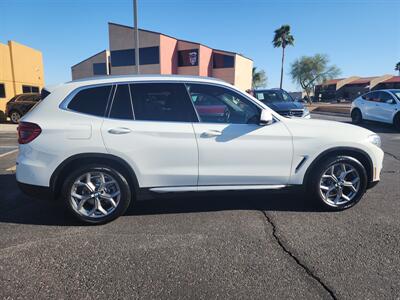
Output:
x,y
356,116
96,194
338,182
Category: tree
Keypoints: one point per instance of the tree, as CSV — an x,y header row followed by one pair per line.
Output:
x,y
259,78
307,71
397,67
283,38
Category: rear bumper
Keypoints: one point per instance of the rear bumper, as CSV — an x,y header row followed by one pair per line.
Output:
x,y
36,191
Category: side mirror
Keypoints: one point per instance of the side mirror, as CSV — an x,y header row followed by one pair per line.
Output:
x,y
390,101
266,117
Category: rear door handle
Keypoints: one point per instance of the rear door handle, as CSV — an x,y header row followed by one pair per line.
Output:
x,y
119,130
211,133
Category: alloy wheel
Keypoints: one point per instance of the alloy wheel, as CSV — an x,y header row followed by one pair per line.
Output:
x,y
339,184
15,116
95,194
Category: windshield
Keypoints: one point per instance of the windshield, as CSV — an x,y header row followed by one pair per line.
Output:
x,y
273,96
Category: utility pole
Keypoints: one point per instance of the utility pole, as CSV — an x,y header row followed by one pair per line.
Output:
x,y
136,36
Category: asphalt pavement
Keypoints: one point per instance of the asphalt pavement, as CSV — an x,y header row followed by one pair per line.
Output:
x,y
237,245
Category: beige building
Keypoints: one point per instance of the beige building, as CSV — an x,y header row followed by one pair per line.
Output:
x,y
163,54
21,71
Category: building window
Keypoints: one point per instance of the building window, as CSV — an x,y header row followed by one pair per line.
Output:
x,y
2,90
99,69
121,58
188,58
30,89
223,61
149,55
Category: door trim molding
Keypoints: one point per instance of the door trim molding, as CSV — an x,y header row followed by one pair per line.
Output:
x,y
205,188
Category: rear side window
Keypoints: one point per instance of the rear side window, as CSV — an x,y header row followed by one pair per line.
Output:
x,y
92,101
122,106
168,102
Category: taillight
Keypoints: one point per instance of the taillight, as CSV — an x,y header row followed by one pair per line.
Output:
x,y
27,132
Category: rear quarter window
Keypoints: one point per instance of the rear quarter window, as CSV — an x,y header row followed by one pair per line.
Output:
x,y
91,101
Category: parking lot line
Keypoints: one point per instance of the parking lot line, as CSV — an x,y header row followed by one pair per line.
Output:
x,y
8,153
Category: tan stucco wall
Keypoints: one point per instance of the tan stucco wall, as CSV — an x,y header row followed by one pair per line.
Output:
x,y
168,55
226,74
243,72
205,61
20,65
85,68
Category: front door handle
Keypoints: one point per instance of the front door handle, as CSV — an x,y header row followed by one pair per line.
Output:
x,y
119,130
211,133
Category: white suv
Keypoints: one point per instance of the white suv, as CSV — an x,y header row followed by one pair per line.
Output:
x,y
382,106
98,144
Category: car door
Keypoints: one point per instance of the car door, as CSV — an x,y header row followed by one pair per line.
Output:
x,y
149,125
237,150
368,106
383,110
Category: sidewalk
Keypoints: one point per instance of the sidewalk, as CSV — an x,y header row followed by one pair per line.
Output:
x,y
8,127
340,108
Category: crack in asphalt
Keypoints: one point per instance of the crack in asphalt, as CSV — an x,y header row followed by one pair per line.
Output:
x,y
392,155
297,260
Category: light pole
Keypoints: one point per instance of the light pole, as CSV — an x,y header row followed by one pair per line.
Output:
x,y
136,36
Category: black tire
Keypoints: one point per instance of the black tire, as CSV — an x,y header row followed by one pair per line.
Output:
x,y
118,210
15,116
318,171
396,121
356,116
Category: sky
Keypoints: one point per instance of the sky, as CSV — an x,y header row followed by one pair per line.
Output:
x,y
360,37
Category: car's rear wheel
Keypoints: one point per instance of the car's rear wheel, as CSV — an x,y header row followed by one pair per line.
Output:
x,y
96,194
338,182
356,116
396,121
15,116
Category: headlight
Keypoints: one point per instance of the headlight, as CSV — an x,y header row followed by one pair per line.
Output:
x,y
375,139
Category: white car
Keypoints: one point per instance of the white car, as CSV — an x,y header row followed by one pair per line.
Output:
x,y
381,105
100,143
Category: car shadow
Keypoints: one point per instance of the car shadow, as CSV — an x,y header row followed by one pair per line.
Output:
x,y
19,209
376,126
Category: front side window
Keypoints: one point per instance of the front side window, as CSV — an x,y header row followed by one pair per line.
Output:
x,y
2,90
121,107
168,102
385,97
215,104
92,101
188,58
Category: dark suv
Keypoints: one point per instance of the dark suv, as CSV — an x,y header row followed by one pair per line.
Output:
x,y
280,101
20,105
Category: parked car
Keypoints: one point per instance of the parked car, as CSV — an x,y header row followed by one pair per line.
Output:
x,y
280,101
381,105
19,105
99,144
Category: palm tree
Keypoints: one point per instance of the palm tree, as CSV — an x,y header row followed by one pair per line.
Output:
x,y
397,67
283,38
259,78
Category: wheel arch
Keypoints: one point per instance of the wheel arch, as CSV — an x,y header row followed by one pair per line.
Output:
x,y
68,164
358,154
